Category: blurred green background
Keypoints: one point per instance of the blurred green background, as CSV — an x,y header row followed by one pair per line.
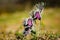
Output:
x,y
12,13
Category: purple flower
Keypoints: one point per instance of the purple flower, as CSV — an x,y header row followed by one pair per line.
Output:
x,y
29,22
37,15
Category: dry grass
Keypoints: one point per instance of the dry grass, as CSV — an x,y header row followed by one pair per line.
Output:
x,y
50,22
